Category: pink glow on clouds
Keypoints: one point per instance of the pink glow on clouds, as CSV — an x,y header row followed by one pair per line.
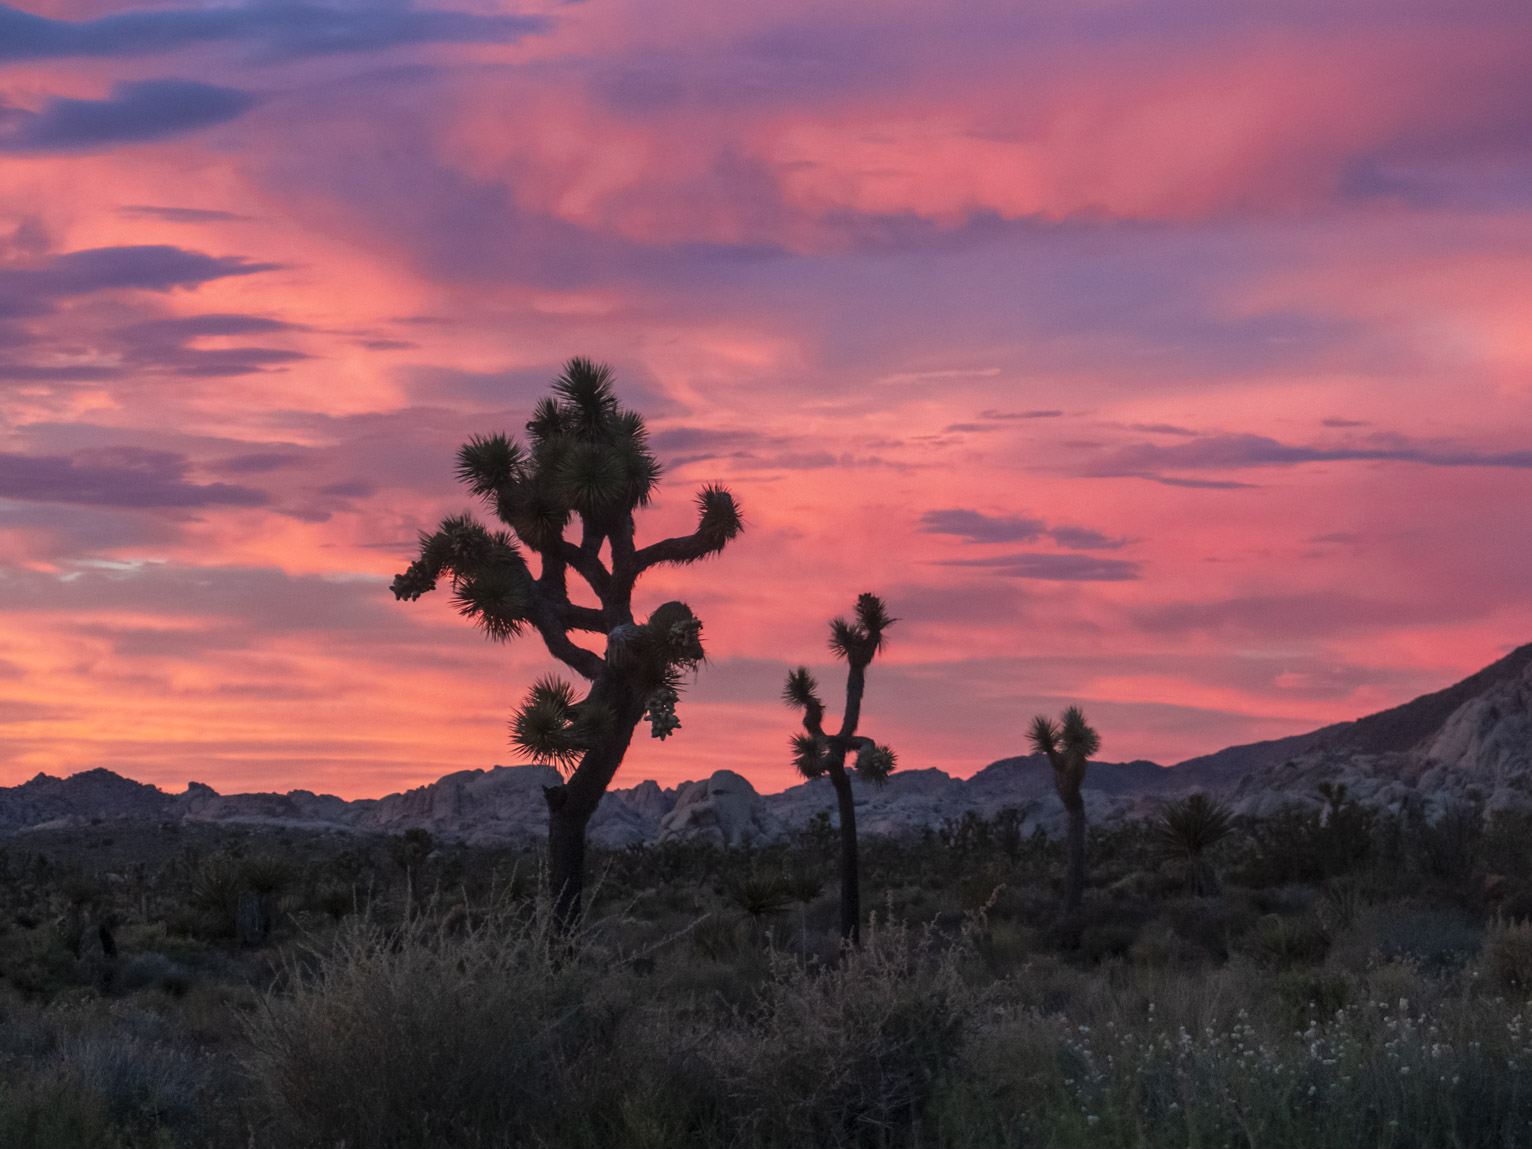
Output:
x,y
1150,357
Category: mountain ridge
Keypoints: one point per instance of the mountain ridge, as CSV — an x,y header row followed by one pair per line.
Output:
x,y
1470,742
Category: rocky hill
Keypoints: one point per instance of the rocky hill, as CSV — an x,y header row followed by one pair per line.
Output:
x,y
1471,742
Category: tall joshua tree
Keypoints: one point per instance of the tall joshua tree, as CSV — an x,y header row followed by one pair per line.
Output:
x,y
816,752
1068,746
585,470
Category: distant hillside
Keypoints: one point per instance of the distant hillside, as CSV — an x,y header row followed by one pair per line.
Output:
x,y
1471,742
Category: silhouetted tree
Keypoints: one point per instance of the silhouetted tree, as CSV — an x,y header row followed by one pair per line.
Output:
x,y
1068,747
816,753
586,469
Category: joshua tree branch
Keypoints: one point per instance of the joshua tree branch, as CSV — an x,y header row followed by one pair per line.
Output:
x,y
545,617
856,686
583,559
682,549
586,618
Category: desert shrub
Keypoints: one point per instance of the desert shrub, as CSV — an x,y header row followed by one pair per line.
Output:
x,y
1508,956
145,970
1286,942
413,1036
49,1112
843,1055
1184,834
1109,940
1308,845
1446,850
87,1075
1435,940
1307,995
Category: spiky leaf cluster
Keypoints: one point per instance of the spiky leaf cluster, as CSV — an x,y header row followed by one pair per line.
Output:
x,y
1074,738
1069,745
1188,827
490,581
857,642
809,753
553,727
874,763
587,455
802,693
718,518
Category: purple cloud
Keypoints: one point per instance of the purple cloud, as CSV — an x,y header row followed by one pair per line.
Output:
x,y
133,113
181,214
274,31
149,267
1238,452
122,477
1054,568
976,527
993,414
1084,539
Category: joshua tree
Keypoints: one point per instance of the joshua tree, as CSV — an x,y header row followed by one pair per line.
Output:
x,y
587,463
1183,833
816,753
1068,747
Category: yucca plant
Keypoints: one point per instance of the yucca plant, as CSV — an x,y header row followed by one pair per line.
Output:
x,y
1185,831
816,752
1068,746
571,491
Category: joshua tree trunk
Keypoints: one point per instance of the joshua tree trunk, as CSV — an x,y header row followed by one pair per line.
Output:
x,y
850,887
571,805
1074,882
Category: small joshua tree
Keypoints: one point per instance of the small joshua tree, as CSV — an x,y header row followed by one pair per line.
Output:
x,y
587,465
816,753
1068,747
1185,831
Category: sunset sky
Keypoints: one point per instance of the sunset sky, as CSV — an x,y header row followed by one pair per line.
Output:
x,y
1172,358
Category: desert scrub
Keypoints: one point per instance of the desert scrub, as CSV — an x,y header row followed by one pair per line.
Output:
x,y
852,1053
1120,1071
92,1073
1508,956
487,1034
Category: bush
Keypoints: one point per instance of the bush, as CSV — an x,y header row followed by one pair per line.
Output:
x,y
1435,940
1287,942
842,1055
419,1037
1508,956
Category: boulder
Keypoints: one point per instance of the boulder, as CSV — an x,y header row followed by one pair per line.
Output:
x,y
724,810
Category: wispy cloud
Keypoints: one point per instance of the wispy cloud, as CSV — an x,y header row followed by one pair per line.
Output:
x,y
137,112
976,527
1053,567
1246,451
125,477
274,31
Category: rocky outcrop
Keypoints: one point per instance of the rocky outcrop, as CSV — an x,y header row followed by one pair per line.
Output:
x,y
1470,743
725,810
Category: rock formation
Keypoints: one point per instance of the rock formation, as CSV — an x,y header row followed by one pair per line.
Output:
x,y
1470,743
